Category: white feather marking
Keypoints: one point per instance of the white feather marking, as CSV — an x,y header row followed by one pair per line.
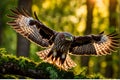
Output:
x,y
63,56
104,38
54,53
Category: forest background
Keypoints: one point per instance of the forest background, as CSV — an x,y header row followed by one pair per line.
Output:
x,y
79,17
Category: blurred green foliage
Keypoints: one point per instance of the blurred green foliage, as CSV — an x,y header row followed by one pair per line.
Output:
x,y
8,35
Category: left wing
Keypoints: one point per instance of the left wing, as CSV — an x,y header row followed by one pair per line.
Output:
x,y
94,44
31,28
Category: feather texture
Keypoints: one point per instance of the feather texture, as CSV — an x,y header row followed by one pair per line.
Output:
x,y
22,24
68,63
95,44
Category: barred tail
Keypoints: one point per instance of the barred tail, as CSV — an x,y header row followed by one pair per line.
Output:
x,y
68,63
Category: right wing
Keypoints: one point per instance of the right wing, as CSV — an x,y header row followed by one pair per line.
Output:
x,y
98,45
31,28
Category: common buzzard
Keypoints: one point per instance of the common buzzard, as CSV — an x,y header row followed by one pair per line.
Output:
x,y
59,45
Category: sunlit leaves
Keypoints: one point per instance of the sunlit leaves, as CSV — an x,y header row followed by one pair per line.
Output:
x,y
35,8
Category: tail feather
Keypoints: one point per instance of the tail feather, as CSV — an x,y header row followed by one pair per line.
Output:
x,y
68,63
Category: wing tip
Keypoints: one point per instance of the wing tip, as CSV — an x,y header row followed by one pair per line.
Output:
x,y
11,23
101,32
113,34
36,16
20,11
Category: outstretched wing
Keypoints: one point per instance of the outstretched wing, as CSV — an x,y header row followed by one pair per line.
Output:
x,y
31,28
94,44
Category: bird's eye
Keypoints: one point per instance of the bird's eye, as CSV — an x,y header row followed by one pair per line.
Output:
x,y
68,38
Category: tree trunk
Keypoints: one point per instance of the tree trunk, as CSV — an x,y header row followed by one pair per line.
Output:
x,y
90,7
0,29
112,13
23,45
88,30
119,40
112,24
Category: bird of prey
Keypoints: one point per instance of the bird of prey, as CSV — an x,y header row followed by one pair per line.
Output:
x,y
60,45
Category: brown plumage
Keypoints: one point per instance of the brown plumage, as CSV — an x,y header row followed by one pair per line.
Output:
x,y
61,44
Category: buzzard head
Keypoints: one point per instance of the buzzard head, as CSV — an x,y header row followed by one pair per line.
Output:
x,y
68,37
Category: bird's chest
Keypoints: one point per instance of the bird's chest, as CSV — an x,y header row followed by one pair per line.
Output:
x,y
62,46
